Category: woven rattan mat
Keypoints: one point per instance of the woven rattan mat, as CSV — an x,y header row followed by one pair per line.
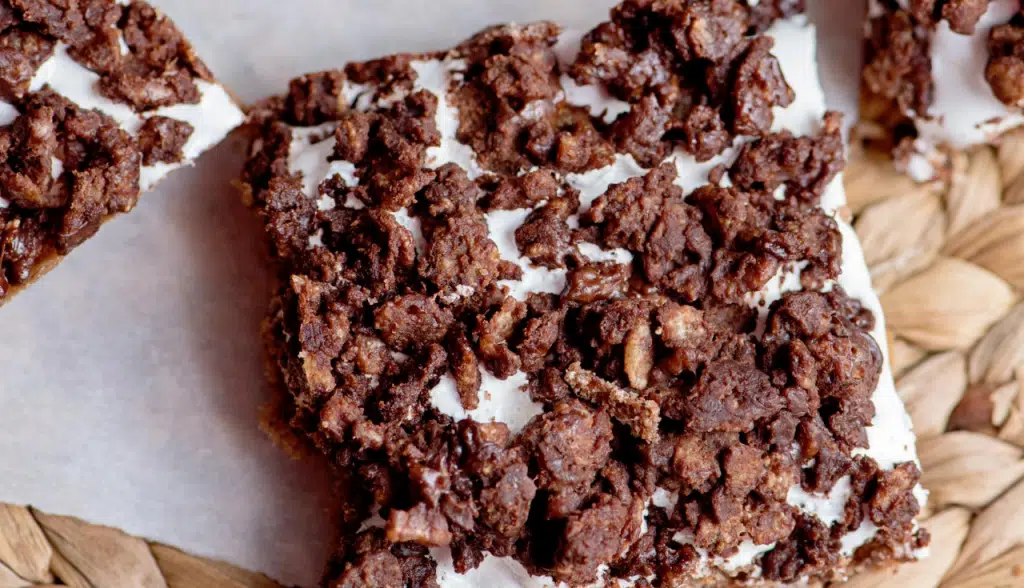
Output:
x,y
948,260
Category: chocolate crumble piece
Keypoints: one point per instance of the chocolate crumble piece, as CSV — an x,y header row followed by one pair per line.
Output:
x,y
1005,69
160,69
898,64
569,445
373,562
103,157
316,98
418,525
813,341
162,139
731,397
593,537
628,211
641,416
962,15
686,66
21,53
461,253
678,252
705,132
466,370
598,281
412,321
804,165
545,236
759,87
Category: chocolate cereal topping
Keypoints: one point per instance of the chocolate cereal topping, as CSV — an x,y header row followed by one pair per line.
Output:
x,y
1005,69
447,255
65,168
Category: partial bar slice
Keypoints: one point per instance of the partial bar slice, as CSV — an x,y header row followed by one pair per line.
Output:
x,y
942,75
566,310
99,101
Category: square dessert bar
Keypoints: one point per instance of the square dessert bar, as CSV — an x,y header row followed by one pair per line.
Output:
x,y
577,310
942,75
99,100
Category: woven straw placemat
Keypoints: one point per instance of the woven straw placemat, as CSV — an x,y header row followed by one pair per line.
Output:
x,y
38,549
948,259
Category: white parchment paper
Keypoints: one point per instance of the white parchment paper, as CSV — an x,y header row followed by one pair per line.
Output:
x,y
131,377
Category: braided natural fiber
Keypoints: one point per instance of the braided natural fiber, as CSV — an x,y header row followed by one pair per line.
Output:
x,y
948,259
37,549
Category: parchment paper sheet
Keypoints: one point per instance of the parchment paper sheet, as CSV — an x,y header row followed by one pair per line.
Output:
x,y
130,377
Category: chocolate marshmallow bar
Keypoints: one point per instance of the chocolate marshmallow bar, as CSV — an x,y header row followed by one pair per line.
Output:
x,y
583,309
99,100
943,75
